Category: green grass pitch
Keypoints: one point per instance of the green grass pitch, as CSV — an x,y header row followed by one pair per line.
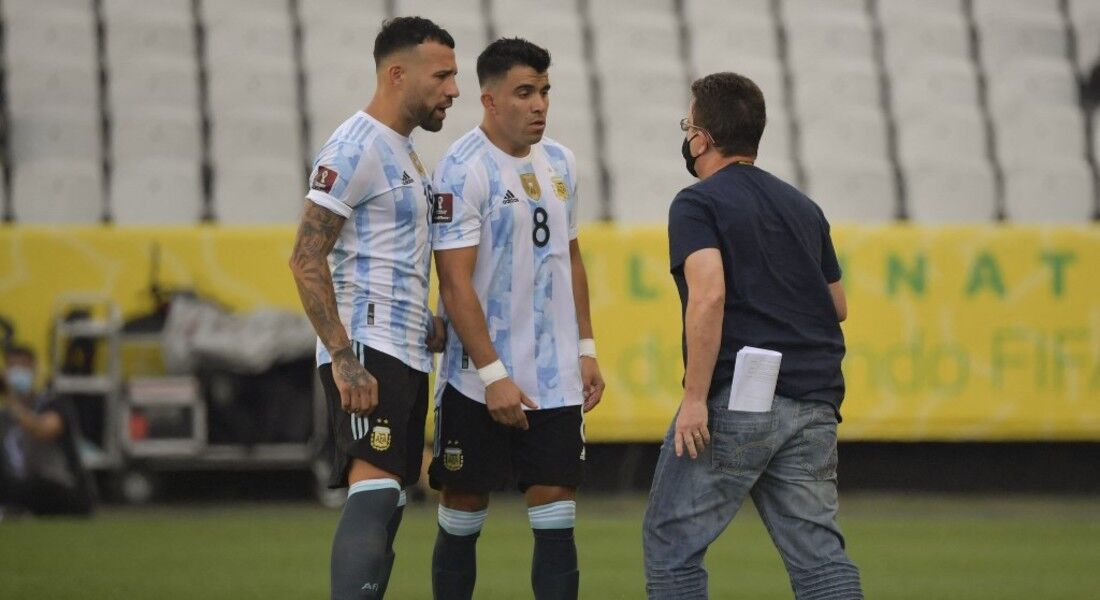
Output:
x,y
917,547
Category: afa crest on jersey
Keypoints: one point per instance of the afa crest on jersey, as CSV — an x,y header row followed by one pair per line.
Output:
x,y
560,190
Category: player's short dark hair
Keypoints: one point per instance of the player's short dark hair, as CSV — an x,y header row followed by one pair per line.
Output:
x,y
405,32
503,54
18,351
731,108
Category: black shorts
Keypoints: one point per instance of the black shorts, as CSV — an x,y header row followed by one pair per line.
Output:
x,y
390,438
474,453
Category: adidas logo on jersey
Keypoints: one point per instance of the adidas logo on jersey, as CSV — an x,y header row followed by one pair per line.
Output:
x,y
405,179
509,197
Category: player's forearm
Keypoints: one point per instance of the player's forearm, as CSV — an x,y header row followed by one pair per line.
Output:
x,y
465,313
580,297
703,329
317,235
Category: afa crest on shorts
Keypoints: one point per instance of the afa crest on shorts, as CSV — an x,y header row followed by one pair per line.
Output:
x,y
380,438
452,457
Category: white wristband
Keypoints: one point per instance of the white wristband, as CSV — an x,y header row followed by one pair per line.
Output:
x,y
587,347
492,373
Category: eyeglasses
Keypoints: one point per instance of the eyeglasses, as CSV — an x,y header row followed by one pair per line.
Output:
x,y
686,125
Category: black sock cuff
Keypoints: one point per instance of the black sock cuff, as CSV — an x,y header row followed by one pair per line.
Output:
x,y
554,534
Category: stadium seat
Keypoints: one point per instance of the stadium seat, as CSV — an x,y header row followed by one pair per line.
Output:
x,y
715,42
259,134
1049,133
857,134
176,11
1085,16
956,191
900,12
643,188
953,134
816,36
246,86
607,12
559,31
223,11
259,191
154,85
50,38
19,9
658,84
156,192
781,167
852,190
791,10
1008,38
1033,85
831,86
156,134
33,86
56,190
926,38
72,134
334,93
634,39
766,73
132,38
591,195
261,38
775,144
643,131
574,128
933,85
1026,8
1049,191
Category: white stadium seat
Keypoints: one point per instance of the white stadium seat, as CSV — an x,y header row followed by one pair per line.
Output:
x,y
793,10
934,85
610,11
832,86
1033,85
926,38
244,87
33,86
1008,38
36,9
264,38
176,11
57,191
72,134
657,84
900,12
853,190
643,189
258,134
953,134
1037,8
156,134
259,191
154,85
857,134
50,38
633,39
775,144
717,40
156,192
1051,133
131,39
957,191
1041,191
821,36
1085,16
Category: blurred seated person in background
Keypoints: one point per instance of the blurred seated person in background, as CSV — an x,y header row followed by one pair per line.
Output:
x,y
40,469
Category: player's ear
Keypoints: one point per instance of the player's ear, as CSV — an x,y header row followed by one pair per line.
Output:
x,y
487,101
394,74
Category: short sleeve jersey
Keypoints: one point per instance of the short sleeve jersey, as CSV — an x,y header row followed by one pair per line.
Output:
x,y
371,176
778,258
521,214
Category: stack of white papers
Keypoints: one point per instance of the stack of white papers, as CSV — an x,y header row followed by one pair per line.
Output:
x,y
754,379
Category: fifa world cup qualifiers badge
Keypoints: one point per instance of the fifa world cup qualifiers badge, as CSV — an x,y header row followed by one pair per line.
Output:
x,y
324,179
452,456
443,208
380,437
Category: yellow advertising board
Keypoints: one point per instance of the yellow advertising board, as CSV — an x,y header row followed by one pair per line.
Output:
x,y
954,333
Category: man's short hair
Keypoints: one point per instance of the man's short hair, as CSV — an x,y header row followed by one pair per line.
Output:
x,y
503,54
406,32
731,108
18,351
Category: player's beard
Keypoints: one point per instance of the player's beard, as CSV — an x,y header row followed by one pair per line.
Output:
x,y
428,120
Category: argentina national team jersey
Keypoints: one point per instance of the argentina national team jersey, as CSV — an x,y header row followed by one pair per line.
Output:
x,y
371,176
521,213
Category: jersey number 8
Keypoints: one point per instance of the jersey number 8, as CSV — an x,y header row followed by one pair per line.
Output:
x,y
541,234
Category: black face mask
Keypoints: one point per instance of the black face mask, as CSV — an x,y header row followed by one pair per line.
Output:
x,y
689,160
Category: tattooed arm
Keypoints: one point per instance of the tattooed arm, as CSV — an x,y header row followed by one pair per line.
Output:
x,y
317,234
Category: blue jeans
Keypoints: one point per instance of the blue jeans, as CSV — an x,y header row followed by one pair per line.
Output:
x,y
786,460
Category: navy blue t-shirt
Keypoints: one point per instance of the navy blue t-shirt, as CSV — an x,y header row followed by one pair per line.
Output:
x,y
779,260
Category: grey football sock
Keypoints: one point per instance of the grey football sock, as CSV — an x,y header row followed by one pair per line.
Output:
x,y
359,546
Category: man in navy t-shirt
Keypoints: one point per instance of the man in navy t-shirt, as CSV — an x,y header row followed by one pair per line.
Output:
x,y
755,267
